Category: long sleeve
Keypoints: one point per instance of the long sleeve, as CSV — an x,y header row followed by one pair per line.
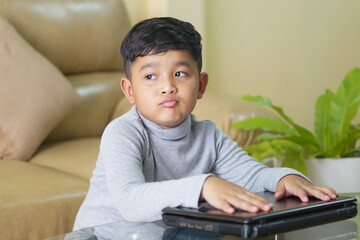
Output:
x,y
235,165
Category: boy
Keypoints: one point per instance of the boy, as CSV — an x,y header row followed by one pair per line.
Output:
x,y
157,155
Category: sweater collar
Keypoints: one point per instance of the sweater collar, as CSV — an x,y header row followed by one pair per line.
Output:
x,y
172,134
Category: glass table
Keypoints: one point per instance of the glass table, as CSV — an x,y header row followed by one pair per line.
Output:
x,y
347,229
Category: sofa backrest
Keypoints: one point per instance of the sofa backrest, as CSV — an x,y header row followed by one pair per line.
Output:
x,y
75,35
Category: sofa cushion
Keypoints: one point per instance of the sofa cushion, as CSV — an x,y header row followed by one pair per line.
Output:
x,y
100,91
75,35
34,96
77,157
27,204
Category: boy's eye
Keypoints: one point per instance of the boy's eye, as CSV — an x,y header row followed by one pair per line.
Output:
x,y
180,74
150,77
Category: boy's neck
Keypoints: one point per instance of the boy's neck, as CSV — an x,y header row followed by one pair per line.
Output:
x,y
172,133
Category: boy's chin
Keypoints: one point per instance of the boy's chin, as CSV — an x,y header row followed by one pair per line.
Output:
x,y
167,119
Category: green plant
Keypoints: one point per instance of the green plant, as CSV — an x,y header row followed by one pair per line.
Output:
x,y
334,136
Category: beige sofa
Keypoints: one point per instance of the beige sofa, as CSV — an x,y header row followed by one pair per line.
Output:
x,y
60,68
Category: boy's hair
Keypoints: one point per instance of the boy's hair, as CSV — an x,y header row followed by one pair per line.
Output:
x,y
157,35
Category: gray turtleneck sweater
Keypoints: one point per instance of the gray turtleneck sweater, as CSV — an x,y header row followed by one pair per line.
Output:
x,y
143,168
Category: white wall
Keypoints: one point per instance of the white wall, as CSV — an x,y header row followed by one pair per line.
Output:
x,y
289,51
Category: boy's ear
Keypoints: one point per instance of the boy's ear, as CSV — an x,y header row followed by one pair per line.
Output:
x,y
126,87
203,81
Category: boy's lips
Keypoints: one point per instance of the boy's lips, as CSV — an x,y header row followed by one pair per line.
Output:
x,y
169,103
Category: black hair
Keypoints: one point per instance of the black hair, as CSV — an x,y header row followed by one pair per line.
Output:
x,y
157,35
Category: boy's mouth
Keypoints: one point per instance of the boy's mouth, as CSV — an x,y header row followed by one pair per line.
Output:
x,y
169,103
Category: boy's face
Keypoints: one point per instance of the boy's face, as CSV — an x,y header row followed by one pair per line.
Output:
x,y
165,86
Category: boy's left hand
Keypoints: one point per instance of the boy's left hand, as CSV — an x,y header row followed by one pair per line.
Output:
x,y
294,185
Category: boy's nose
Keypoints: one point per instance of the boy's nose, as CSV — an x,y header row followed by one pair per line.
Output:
x,y
168,87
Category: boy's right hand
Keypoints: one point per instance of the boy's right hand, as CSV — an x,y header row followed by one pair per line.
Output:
x,y
225,195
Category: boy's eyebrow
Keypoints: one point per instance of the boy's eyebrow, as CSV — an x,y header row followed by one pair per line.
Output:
x,y
183,63
148,65
152,64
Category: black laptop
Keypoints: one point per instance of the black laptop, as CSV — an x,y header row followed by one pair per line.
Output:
x,y
287,214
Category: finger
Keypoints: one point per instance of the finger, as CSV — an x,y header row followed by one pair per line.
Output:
x,y
244,205
254,199
224,206
257,201
328,191
301,193
318,193
280,191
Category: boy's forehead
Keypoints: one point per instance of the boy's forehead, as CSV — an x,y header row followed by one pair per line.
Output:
x,y
168,58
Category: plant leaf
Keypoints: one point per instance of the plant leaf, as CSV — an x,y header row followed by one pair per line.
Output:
x,y
261,151
353,153
296,161
283,146
322,118
264,101
346,146
265,124
268,136
349,144
275,148
345,104
299,140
